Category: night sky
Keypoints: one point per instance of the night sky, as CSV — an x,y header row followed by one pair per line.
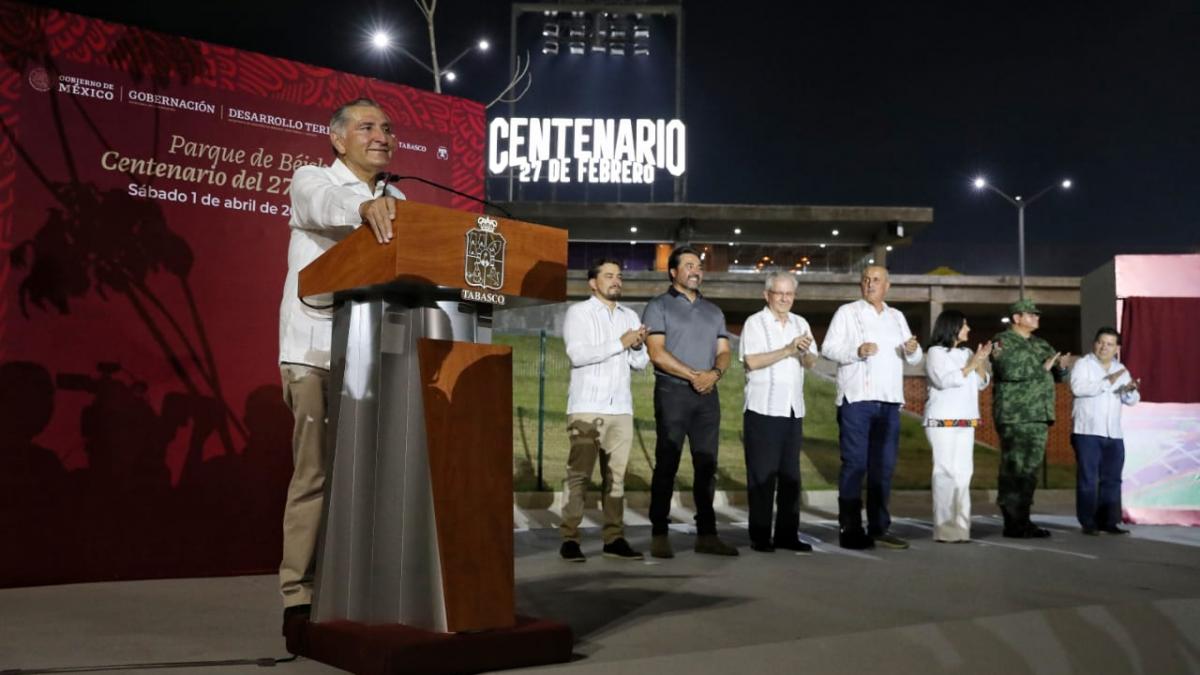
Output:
x,y
898,103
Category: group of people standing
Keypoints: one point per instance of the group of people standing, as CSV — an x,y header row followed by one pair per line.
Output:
x,y
683,335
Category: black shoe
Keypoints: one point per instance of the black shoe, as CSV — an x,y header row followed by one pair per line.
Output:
x,y
797,546
1113,529
294,615
855,540
1013,528
1023,512
1018,526
1034,532
620,549
1019,530
762,546
1091,532
570,552
850,530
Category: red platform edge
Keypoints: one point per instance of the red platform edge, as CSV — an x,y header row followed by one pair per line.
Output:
x,y
394,649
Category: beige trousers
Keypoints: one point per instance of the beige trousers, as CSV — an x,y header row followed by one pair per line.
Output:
x,y
304,391
608,437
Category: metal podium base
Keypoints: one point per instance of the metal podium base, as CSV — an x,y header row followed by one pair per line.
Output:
x,y
378,560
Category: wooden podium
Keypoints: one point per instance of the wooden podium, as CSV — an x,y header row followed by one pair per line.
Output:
x,y
417,524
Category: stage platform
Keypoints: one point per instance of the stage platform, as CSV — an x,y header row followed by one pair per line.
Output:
x,y
1066,604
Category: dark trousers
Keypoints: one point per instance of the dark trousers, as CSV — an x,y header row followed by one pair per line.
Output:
x,y
868,433
773,456
680,412
1098,464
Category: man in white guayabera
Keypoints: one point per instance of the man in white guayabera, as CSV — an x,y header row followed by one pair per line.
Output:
x,y
870,342
604,340
1101,386
776,347
328,203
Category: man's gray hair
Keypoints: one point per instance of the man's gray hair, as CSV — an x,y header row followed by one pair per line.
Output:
x,y
341,116
779,274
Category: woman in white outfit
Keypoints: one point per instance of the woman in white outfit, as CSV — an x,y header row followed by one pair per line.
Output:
x,y
955,376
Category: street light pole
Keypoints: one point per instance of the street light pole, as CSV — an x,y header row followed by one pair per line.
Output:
x,y
1021,248
383,41
482,45
1020,204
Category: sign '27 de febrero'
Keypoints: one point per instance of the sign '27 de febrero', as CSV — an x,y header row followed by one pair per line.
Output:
x,y
586,150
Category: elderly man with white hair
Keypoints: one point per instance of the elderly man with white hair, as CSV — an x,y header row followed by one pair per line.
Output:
x,y
776,347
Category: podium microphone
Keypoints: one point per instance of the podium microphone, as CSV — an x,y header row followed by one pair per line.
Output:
x,y
395,178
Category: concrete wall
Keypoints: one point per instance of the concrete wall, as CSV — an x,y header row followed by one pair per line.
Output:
x,y
530,320
1097,303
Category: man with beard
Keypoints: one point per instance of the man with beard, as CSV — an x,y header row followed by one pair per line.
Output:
x,y
689,347
604,340
328,203
1025,369
870,342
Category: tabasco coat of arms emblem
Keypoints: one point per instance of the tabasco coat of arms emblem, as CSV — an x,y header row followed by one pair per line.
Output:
x,y
485,255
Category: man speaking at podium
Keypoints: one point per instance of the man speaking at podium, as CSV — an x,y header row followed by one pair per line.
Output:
x,y
328,203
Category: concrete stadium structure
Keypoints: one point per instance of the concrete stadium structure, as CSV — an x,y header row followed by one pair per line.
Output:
x,y
728,233
920,296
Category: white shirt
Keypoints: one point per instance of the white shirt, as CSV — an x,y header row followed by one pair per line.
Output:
x,y
778,389
599,363
879,377
325,203
952,395
1097,407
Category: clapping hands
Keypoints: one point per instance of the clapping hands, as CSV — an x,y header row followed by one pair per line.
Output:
x,y
1132,385
634,338
1060,360
802,343
982,353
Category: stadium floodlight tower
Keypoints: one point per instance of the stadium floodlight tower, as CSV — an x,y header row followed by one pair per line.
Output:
x,y
615,28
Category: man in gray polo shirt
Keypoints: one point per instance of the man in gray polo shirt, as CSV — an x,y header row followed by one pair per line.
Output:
x,y
689,348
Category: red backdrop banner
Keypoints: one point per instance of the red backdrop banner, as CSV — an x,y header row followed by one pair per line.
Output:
x,y
143,225
1156,346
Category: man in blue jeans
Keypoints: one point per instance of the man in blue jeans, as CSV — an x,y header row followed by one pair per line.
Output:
x,y
689,347
870,342
1101,386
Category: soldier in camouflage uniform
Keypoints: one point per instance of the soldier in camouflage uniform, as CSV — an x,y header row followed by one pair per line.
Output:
x,y
1025,369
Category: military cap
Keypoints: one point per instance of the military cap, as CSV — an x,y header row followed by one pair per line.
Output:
x,y
1024,305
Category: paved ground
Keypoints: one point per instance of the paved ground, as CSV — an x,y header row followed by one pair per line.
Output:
x,y
1069,604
